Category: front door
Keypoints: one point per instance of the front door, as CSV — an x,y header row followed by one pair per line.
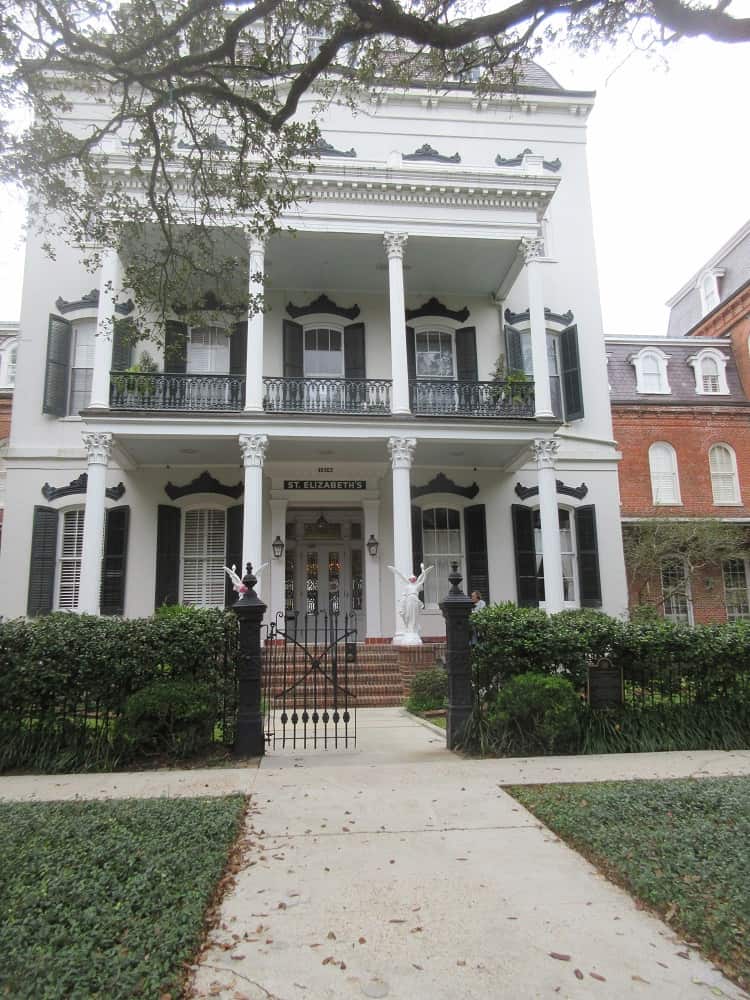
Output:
x,y
329,578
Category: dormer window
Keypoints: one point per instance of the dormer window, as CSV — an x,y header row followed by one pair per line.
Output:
x,y
710,367
708,287
651,371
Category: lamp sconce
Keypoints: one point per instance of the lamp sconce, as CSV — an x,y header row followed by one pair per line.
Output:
x,y
372,545
277,547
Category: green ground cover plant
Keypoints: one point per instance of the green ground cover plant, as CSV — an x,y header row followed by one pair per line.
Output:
x,y
429,690
682,847
108,899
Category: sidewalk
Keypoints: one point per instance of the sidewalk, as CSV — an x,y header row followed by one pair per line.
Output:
x,y
401,870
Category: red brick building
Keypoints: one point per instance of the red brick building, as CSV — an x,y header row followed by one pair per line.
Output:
x,y
681,417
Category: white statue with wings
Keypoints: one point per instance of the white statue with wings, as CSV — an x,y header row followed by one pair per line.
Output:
x,y
409,606
237,584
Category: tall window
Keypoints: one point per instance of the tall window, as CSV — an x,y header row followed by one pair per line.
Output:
x,y
553,361
675,590
441,538
208,350
665,485
651,371
203,554
735,589
723,465
82,368
567,553
69,560
324,353
709,292
434,354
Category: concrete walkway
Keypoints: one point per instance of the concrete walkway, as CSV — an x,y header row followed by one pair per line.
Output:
x,y
401,870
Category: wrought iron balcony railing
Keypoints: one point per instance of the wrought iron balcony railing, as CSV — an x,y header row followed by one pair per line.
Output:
x,y
164,391
327,395
443,398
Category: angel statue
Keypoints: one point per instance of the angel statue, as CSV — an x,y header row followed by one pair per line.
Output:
x,y
410,605
237,584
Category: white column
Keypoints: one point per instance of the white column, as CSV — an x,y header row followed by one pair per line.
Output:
x,y
98,446
394,247
533,250
402,456
278,566
545,451
254,369
371,510
253,448
109,288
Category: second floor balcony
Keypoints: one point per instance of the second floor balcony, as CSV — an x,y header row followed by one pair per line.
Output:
x,y
202,393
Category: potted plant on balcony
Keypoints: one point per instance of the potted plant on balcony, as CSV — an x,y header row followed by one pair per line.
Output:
x,y
508,384
142,389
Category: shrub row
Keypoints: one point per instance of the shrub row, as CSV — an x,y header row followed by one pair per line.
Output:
x,y
81,691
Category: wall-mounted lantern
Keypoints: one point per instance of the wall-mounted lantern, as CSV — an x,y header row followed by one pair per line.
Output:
x,y
277,547
372,545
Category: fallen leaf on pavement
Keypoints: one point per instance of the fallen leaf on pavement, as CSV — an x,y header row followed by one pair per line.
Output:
x,y
560,957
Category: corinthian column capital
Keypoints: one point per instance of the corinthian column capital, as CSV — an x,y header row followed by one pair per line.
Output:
x,y
395,245
401,451
532,249
253,448
545,452
98,445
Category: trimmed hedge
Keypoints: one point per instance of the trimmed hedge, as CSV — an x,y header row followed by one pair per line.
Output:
x,y
429,690
65,680
685,688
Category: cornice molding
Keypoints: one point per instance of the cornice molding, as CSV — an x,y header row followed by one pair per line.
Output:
x,y
323,305
564,319
204,483
324,148
442,484
517,161
579,492
426,153
79,485
434,307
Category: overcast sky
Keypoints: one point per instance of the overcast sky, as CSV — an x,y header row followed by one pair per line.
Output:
x,y
669,162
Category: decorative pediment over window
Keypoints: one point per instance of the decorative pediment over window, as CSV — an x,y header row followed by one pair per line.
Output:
x,y
427,154
204,483
442,484
516,161
323,148
91,301
434,307
579,492
322,305
564,319
80,485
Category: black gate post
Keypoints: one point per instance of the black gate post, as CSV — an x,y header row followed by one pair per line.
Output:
x,y
457,608
250,739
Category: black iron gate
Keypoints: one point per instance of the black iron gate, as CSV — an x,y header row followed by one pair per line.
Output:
x,y
309,681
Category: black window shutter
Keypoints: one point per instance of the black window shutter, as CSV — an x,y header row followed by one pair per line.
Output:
x,y
116,524
167,555
466,355
417,546
411,354
175,346
588,557
234,549
475,535
354,351
42,565
293,357
57,371
523,543
513,350
122,344
238,349
571,374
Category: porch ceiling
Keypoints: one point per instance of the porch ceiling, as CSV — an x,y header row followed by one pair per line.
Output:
x,y
433,266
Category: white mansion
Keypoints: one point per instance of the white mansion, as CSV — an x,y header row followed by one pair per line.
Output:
x,y
355,423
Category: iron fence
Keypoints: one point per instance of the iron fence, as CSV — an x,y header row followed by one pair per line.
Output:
x,y
165,391
370,397
444,398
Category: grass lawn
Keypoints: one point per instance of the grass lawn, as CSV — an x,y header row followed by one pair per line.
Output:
x,y
683,847
107,899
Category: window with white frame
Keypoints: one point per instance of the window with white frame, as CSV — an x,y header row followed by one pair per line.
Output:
x,y
710,368
203,555
675,588
724,483
441,540
82,366
567,552
736,598
8,365
69,549
434,351
708,287
651,371
208,350
665,483
323,352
